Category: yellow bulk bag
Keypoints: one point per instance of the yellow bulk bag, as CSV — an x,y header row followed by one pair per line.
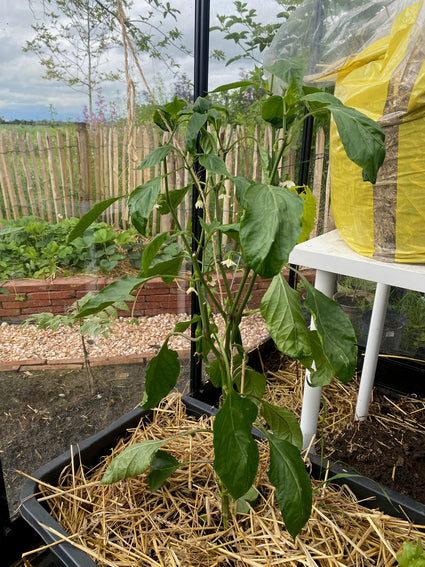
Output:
x,y
386,81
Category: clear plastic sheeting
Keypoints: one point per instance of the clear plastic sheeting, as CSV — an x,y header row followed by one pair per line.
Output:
x,y
374,53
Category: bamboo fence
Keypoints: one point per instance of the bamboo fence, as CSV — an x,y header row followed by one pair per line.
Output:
x,y
62,173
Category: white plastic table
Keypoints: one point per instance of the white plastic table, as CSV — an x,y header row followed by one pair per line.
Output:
x,y
330,255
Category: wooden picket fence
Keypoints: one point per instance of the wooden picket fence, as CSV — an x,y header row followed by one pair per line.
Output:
x,y
62,174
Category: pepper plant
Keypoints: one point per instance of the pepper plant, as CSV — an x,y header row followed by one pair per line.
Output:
x,y
273,217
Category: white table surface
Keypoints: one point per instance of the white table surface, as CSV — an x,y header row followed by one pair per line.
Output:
x,y
330,253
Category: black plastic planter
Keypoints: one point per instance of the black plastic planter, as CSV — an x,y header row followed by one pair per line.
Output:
x,y
92,449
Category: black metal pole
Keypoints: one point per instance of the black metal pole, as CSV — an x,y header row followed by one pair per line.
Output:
x,y
201,53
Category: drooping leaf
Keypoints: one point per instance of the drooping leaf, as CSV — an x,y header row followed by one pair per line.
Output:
x,y
213,370
119,290
362,138
161,376
155,157
288,474
281,309
270,227
162,466
213,164
142,201
196,122
283,423
335,332
182,326
236,455
254,383
132,461
87,219
321,369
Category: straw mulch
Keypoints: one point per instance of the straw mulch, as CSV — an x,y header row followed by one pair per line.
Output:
x,y
125,525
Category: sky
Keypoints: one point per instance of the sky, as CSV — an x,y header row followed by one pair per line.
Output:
x,y
24,94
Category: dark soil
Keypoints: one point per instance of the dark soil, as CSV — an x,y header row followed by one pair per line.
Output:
x,y
43,412
387,452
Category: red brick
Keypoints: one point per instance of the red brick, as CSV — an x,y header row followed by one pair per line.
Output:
x,y
9,366
45,303
19,287
35,362
75,361
10,312
55,365
74,284
64,294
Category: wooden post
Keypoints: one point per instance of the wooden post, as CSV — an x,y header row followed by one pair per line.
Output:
x,y
84,166
28,176
45,177
54,180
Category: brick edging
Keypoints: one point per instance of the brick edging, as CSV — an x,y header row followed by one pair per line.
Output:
x,y
30,296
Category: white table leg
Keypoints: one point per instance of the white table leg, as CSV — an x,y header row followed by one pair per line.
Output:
x,y
325,282
372,350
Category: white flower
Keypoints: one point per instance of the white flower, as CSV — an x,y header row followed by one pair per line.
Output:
x,y
228,263
199,204
191,290
288,183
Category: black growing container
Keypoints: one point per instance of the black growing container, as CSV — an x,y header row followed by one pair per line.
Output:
x,y
92,449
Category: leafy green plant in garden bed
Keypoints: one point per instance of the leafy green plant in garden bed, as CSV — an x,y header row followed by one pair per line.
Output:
x,y
33,248
272,218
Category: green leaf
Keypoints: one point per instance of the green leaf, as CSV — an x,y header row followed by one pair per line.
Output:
x,y
152,249
155,157
412,556
213,370
281,309
270,227
247,501
309,212
119,290
163,119
161,376
289,69
283,424
172,201
213,164
132,461
167,263
272,111
241,185
182,326
87,219
254,382
196,122
321,372
202,105
235,85
232,230
163,465
288,474
142,201
236,454
335,332
362,138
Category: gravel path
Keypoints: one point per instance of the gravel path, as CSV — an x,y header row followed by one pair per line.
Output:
x,y
19,343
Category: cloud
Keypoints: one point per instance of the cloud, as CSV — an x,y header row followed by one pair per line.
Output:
x,y
23,90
